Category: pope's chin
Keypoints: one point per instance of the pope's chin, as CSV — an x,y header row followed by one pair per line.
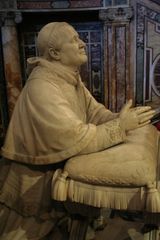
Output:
x,y
84,58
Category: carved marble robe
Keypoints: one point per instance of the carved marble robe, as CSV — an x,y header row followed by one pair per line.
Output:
x,y
54,119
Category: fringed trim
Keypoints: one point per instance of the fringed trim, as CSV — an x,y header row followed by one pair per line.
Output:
x,y
153,199
60,185
108,197
138,198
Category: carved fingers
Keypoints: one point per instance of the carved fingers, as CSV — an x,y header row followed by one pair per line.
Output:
x,y
144,114
126,107
132,118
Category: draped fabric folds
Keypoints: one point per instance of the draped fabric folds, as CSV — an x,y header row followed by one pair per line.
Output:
x,y
56,117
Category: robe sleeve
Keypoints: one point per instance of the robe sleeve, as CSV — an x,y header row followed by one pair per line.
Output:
x,y
107,135
63,130
44,128
96,112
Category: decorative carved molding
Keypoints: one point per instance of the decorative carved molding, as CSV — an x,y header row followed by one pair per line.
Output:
x,y
116,14
18,17
9,18
8,4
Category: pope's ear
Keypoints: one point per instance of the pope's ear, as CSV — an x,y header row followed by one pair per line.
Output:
x,y
54,54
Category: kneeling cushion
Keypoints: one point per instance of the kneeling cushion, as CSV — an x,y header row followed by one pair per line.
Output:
x,y
132,163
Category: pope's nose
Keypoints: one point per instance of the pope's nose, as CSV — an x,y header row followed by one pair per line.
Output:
x,y
82,43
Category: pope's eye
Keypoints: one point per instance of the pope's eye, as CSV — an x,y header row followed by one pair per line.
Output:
x,y
76,38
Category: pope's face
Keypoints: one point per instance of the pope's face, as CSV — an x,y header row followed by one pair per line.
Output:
x,y
73,50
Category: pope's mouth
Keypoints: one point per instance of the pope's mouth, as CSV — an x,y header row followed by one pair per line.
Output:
x,y
83,51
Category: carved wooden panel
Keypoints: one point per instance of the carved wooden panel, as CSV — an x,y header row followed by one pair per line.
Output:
x,y
69,4
92,72
11,60
117,85
148,55
56,4
117,67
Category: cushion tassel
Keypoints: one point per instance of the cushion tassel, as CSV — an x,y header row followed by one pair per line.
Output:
x,y
153,199
60,185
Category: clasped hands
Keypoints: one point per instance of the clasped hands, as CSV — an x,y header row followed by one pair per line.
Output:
x,y
132,118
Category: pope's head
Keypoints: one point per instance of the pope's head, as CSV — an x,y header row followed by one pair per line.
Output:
x,y
58,41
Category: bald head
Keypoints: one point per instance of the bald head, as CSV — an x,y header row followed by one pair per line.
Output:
x,y
59,41
50,36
